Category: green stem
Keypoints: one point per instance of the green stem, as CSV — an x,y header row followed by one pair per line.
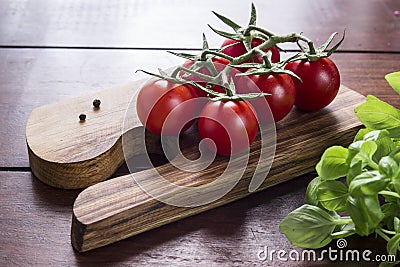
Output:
x,y
311,47
273,40
389,193
387,231
201,75
253,27
344,220
382,234
210,52
267,62
373,165
223,76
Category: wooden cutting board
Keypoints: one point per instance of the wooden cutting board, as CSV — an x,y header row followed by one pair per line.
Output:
x,y
66,153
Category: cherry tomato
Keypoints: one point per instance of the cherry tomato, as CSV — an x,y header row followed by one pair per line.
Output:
x,y
239,49
320,83
219,63
281,100
157,99
231,125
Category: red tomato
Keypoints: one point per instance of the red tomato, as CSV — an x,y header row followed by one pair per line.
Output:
x,y
239,49
231,125
320,83
157,99
281,100
219,63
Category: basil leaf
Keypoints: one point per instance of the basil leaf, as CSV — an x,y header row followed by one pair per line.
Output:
x,y
360,134
390,211
362,151
388,264
353,150
368,183
332,195
308,227
311,192
388,167
393,244
378,115
368,149
384,143
394,80
365,212
355,170
396,224
344,231
333,163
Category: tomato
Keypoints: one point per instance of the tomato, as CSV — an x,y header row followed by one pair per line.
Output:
x,y
320,83
281,100
239,49
231,125
219,63
157,99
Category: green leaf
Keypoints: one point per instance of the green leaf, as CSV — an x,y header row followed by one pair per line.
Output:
x,y
333,163
343,231
205,43
311,192
388,264
378,115
353,150
396,224
234,36
308,226
369,148
332,195
393,244
396,184
227,21
365,212
355,170
325,45
368,183
336,46
360,134
394,80
390,211
362,151
384,143
185,55
389,167
253,15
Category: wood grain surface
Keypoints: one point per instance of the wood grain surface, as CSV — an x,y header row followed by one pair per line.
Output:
x,y
55,50
36,221
119,208
32,79
160,24
69,153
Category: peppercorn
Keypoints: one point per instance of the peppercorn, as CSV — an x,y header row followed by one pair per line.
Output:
x,y
82,117
96,103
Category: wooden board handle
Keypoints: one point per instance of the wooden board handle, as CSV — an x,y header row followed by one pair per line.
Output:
x,y
116,209
66,153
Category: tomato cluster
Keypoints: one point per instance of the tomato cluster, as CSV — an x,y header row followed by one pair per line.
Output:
x,y
226,126
238,88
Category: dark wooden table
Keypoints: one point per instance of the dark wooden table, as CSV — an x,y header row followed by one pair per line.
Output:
x,y
54,50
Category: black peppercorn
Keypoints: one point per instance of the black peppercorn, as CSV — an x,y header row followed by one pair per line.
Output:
x,y
82,117
96,103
